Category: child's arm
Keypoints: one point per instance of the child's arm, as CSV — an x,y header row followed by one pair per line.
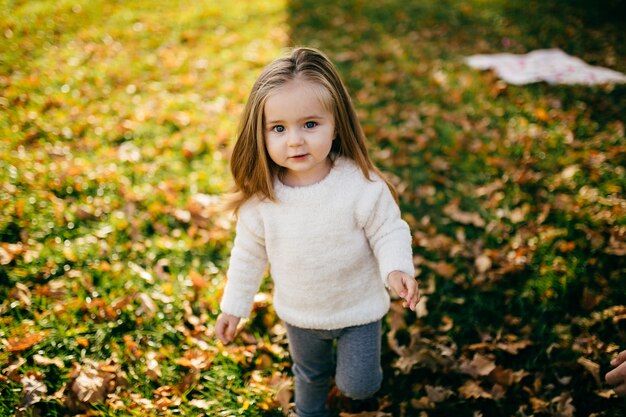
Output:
x,y
406,287
248,262
389,236
226,326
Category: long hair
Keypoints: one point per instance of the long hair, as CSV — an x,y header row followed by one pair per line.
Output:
x,y
252,168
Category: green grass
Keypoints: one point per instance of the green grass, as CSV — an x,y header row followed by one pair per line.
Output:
x,y
116,122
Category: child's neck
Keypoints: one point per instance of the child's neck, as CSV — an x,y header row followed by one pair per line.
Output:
x,y
293,178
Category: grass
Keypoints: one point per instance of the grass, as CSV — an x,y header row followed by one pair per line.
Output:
x,y
117,123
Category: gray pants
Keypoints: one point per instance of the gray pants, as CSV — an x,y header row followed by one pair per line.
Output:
x,y
357,372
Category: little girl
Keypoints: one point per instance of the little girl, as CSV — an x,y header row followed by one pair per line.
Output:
x,y
312,205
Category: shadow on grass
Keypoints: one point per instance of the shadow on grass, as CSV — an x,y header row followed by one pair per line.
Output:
x,y
437,125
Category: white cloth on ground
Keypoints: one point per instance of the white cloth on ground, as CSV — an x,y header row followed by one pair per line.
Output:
x,y
551,65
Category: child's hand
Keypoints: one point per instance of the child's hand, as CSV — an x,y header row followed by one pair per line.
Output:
x,y
226,326
406,287
618,375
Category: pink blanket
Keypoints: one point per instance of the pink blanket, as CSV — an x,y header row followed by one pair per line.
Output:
x,y
551,65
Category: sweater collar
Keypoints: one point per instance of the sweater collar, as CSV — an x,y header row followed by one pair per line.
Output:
x,y
288,193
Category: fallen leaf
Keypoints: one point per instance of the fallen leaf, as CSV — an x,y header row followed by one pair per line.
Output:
x,y
33,391
591,367
563,405
514,347
198,280
10,370
442,268
26,342
452,210
483,263
507,377
202,404
421,309
153,369
143,274
539,405
471,389
422,403
438,394
89,385
480,365
23,294
195,359
148,307
283,395
45,361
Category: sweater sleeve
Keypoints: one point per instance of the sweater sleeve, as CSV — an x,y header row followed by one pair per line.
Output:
x,y
389,236
248,262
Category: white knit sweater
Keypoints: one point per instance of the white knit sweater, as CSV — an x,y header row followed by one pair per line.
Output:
x,y
330,246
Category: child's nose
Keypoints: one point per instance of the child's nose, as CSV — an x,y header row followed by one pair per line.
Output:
x,y
294,138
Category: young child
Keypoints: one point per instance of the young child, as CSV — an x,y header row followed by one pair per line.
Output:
x,y
312,205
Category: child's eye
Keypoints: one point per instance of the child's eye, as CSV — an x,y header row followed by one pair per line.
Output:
x,y
278,129
310,125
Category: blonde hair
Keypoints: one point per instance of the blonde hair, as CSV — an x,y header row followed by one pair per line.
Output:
x,y
252,169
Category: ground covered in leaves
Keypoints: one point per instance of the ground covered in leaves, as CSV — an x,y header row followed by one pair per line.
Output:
x,y
116,123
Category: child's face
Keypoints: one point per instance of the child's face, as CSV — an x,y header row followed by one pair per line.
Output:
x,y
299,132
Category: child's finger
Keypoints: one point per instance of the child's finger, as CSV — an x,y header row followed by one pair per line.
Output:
x,y
621,358
219,331
412,294
230,331
620,390
411,287
616,376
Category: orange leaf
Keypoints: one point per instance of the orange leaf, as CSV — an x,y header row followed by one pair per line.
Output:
x,y
542,115
82,342
198,280
19,345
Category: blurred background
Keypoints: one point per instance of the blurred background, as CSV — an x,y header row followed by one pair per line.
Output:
x,y
116,125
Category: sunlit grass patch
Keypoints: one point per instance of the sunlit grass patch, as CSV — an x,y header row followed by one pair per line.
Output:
x,y
117,121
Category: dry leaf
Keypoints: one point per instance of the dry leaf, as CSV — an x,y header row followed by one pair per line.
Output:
x,y
197,280
442,268
26,342
479,365
153,369
483,263
90,384
33,391
198,360
438,394
539,405
423,403
45,361
421,309
471,389
23,294
283,395
10,370
143,274
591,367
563,405
452,210
507,377
148,307
202,404
514,347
